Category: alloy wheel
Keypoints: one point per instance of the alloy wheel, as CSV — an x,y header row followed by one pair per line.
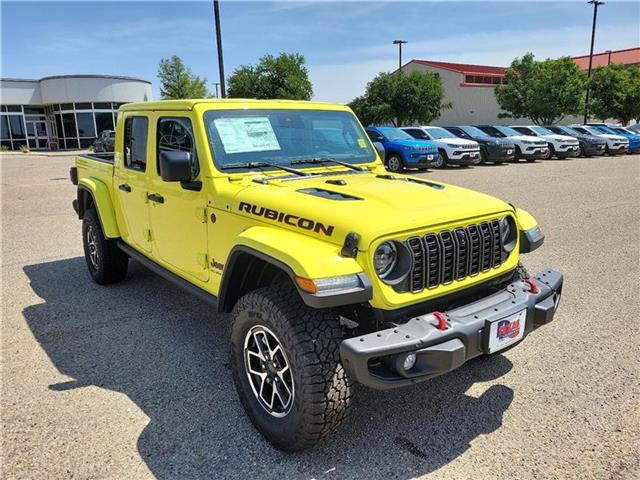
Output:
x,y
268,371
92,246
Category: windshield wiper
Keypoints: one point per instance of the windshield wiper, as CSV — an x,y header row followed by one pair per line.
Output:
x,y
264,164
329,160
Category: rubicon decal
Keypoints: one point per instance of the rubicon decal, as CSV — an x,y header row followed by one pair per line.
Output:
x,y
287,218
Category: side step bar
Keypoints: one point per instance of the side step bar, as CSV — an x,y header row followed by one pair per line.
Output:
x,y
168,275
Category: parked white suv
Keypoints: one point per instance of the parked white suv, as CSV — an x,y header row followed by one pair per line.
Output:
x,y
453,150
562,146
527,147
616,144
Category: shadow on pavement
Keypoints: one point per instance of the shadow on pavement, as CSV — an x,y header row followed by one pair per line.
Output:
x,y
167,352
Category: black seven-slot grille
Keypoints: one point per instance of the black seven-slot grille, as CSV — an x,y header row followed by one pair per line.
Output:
x,y
440,258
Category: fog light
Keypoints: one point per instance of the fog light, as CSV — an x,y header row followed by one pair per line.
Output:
x,y
409,361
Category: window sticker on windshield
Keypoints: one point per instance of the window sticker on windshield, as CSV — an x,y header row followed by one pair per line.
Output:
x,y
248,134
362,143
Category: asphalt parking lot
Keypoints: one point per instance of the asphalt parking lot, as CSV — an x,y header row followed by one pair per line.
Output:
x,y
131,381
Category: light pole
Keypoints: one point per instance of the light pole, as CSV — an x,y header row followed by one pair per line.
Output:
x,y
399,43
596,4
216,14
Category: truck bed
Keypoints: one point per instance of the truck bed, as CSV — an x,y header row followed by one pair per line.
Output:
x,y
100,157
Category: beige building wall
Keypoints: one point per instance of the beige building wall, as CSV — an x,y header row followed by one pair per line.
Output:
x,y
475,105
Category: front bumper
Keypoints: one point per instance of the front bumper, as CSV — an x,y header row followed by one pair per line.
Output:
x,y
537,153
367,358
464,158
568,150
594,148
620,149
500,154
420,160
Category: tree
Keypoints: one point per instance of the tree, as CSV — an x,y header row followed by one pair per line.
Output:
x,y
177,81
401,99
615,93
284,76
544,91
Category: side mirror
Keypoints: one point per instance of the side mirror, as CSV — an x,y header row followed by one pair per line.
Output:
x,y
380,149
175,166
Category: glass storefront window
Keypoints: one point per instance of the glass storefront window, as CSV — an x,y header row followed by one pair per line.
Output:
x,y
4,127
102,106
66,106
17,126
33,111
14,108
104,121
71,143
69,122
59,126
83,106
85,125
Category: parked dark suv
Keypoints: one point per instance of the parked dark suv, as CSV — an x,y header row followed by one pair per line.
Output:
x,y
492,149
105,141
589,144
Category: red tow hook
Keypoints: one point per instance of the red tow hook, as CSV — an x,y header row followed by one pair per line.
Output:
x,y
533,286
442,321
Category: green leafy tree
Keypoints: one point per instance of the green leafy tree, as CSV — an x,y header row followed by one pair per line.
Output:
x,y
615,93
544,91
284,77
177,81
401,99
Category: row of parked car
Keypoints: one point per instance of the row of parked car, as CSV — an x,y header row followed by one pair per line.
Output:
x,y
429,146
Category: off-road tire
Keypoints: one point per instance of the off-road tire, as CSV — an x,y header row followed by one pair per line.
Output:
x,y
310,339
394,163
518,155
105,261
442,159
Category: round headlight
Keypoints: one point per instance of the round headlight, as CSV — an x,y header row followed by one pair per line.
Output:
x,y
385,258
508,232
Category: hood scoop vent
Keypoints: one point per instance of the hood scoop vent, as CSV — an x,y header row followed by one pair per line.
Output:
x,y
426,183
328,194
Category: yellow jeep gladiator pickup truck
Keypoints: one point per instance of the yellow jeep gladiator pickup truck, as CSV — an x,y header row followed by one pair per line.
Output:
x,y
336,271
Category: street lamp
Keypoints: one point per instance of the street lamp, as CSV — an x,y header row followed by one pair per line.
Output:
x,y
596,4
399,43
216,14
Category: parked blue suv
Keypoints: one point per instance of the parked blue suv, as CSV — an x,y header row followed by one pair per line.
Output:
x,y
634,138
402,150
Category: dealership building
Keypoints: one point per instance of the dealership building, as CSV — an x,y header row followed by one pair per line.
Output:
x,y
63,112
470,88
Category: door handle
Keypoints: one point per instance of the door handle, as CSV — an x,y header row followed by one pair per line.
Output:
x,y
155,198
124,187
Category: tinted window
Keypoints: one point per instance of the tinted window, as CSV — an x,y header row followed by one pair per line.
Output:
x,y
374,136
85,125
14,108
524,131
102,106
69,123
177,134
59,126
4,127
104,121
17,126
494,132
66,106
135,142
417,133
33,111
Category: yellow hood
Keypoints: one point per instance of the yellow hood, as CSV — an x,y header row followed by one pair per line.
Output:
x,y
369,204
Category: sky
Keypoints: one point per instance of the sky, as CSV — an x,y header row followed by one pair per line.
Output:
x,y
345,44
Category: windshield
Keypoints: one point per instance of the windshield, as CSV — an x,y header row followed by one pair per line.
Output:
x,y
592,130
439,133
475,132
569,130
283,136
542,130
621,131
604,129
395,134
509,132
